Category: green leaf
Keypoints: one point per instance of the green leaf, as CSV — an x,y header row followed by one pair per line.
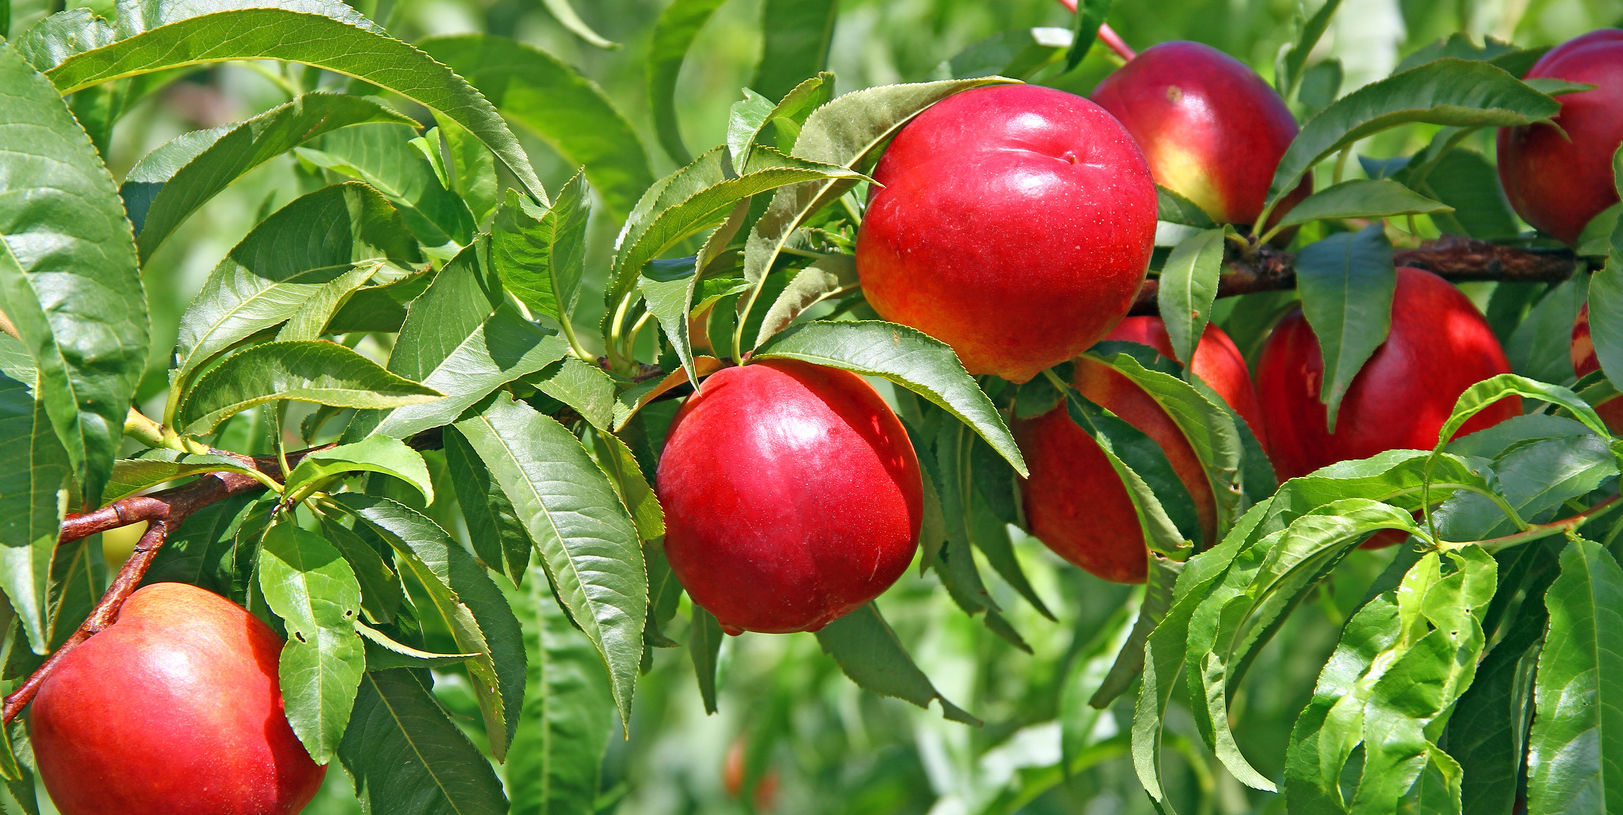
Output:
x,y
1129,662
384,652
1292,61
841,133
585,388
381,593
698,197
798,34
320,33
828,276
1465,180
307,584
704,648
1346,282
1188,287
568,711
565,14
1453,92
1478,397
1576,744
617,462
461,597
34,489
497,535
304,371
407,756
1605,299
203,551
867,650
383,157
587,542
755,117
906,357
68,276
376,454
170,183
1017,54
1540,345
285,261
1090,14
1174,208
1166,513
133,475
1536,477
1361,198
540,253
674,32
568,111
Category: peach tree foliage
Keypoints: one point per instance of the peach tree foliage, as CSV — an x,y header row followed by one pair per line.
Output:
x,y
456,372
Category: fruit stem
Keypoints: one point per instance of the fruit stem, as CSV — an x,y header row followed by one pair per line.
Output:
x,y
144,429
1568,525
1109,37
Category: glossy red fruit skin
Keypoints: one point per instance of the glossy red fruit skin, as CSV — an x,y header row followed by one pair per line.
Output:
x,y
792,496
1584,362
1074,501
1438,346
1014,223
1555,184
1212,130
175,709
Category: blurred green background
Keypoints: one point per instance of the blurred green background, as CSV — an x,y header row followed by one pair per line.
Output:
x,y
824,745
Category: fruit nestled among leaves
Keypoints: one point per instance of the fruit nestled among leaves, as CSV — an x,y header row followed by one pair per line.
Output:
x,y
792,496
1438,346
1074,500
1558,176
174,709
1212,130
1584,362
1013,222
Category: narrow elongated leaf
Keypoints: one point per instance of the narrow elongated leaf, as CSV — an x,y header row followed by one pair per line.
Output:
x,y
1361,198
381,594
306,371
756,117
497,535
568,711
906,357
1188,287
568,111
798,35
68,277
1575,751
464,599
566,15
1606,310
321,33
406,756
174,180
1090,15
704,648
587,542
1129,661
307,584
133,475
273,272
383,652
1292,61
384,157
376,454
828,276
540,254
1346,282
674,32
1456,92
1478,397
867,650
33,496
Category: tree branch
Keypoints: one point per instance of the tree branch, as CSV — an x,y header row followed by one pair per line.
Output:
x,y
1451,256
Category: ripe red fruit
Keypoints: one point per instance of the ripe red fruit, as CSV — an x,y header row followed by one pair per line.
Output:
x,y
1075,503
174,709
1014,223
1212,130
1584,362
1439,345
1558,181
791,494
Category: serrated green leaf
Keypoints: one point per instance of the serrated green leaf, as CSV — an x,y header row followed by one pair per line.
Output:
x,y
1188,287
1605,300
376,454
307,583
303,371
798,35
1454,92
1346,282
34,488
673,34
704,648
464,599
587,542
1576,744
827,276
1165,510
906,357
383,157
636,494
1292,61
497,535
170,183
867,650
320,33
406,755
1176,209
133,475
1479,396
68,273
1361,198
540,253
384,652
585,388
381,593
755,116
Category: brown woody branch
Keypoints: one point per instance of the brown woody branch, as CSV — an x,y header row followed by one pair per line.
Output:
x,y
1265,268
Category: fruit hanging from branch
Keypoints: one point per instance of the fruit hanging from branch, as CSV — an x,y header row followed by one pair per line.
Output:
x,y
1559,175
792,496
1074,500
174,708
1212,130
1015,223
